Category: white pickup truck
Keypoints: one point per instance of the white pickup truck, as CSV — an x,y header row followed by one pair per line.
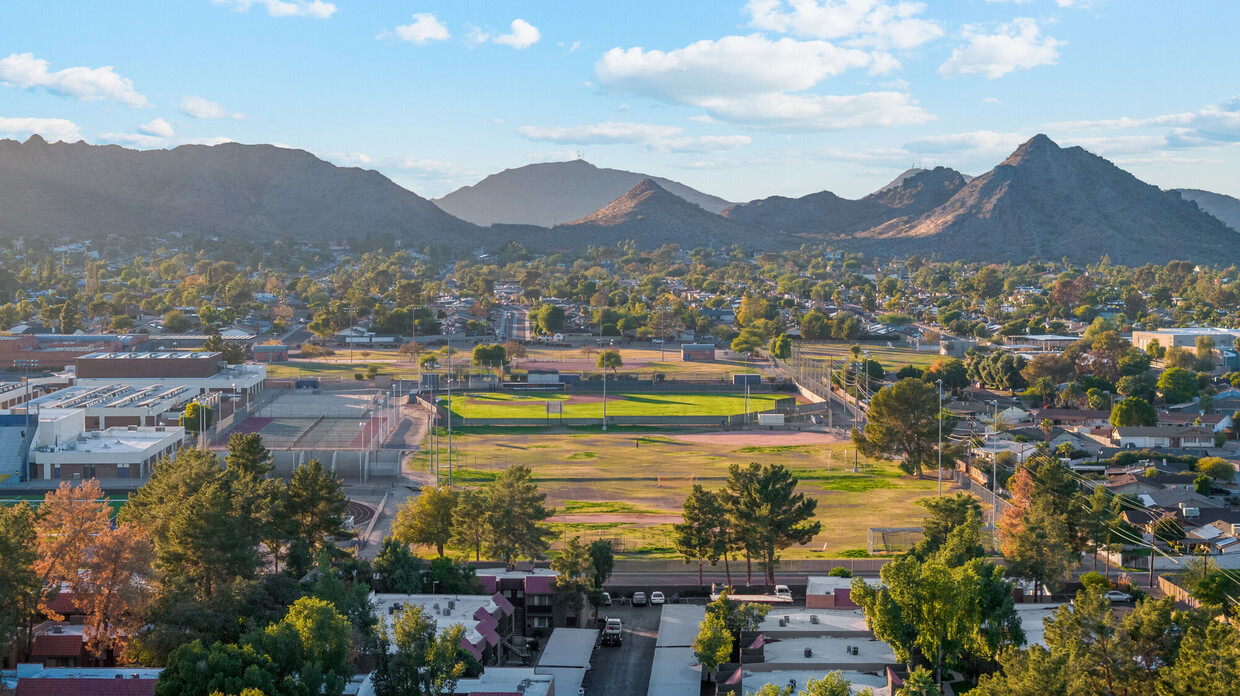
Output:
x,y
613,632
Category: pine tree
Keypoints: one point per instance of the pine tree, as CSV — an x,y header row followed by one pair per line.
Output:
x,y
515,515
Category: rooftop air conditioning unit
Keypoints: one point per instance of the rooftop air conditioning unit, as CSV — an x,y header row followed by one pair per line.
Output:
x,y
813,618
132,428
1192,512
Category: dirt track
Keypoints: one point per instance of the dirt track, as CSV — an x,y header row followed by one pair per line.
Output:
x,y
758,438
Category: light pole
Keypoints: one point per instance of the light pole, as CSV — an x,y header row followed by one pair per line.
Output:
x,y
940,417
26,364
604,396
994,467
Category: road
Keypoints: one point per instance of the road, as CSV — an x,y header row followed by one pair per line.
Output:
x,y
624,670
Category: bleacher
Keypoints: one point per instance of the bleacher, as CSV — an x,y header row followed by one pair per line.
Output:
x,y
12,452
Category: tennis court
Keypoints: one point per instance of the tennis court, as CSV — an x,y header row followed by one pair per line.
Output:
x,y
305,419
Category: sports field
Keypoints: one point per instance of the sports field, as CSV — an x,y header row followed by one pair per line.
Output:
x,y
890,358
495,405
629,485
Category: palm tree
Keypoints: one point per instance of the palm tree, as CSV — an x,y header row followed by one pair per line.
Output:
x,y
1046,427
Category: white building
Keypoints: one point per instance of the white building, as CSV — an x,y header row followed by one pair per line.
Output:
x,y
64,449
487,619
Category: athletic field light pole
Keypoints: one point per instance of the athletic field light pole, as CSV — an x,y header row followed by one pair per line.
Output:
x,y
940,416
994,467
604,396
26,364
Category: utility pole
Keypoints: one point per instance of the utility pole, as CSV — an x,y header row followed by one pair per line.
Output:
x,y
604,396
994,468
449,414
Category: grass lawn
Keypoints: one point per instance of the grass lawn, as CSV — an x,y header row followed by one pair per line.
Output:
x,y
643,361
116,502
633,488
493,405
890,358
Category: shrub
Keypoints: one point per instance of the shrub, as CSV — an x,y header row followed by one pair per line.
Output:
x,y
840,572
311,350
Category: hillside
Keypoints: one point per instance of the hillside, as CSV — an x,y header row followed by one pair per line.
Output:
x,y
1049,202
826,215
553,193
259,191
1225,208
652,216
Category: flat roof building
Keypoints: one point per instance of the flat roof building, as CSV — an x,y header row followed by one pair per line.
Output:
x,y
487,619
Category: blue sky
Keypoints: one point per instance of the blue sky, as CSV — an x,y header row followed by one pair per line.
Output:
x,y
742,99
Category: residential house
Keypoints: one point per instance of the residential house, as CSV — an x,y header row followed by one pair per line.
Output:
x,y
1139,437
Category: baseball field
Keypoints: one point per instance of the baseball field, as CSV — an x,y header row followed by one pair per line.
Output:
x,y
504,405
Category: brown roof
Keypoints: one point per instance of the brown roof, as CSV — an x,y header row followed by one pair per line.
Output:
x,y
57,645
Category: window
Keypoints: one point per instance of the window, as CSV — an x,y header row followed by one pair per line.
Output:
x,y
540,622
538,600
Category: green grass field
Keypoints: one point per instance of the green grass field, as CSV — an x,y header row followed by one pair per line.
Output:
x,y
493,405
633,488
116,502
890,358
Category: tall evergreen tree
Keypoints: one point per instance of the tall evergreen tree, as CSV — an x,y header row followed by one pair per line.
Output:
x,y
515,516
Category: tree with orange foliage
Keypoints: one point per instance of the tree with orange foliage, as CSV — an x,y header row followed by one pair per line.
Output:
x,y
104,569
114,591
70,520
1040,533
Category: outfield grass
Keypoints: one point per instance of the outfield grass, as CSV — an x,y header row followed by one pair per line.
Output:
x,y
890,358
494,405
644,360
634,486
36,499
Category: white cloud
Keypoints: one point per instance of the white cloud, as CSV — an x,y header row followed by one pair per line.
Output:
x,y
979,143
424,28
86,84
608,133
197,107
217,140
737,65
51,129
1215,124
653,137
569,48
991,100
158,128
285,8
522,35
1018,45
758,82
858,22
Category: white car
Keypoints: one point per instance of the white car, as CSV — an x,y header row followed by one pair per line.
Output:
x,y
606,599
1115,596
657,597
639,599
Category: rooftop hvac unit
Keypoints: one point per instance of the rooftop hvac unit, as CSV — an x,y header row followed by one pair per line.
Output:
x,y
447,611
452,604
132,428
813,618
1192,512
436,606
809,652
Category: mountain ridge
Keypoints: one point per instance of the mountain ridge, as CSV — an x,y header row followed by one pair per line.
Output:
x,y
553,193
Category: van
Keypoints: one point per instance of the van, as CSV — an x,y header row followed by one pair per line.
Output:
x,y
783,591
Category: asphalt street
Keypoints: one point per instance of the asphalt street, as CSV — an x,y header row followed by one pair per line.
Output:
x,y
624,670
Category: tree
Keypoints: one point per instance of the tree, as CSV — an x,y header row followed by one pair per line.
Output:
x,y
309,646
1055,366
247,455
1133,412
1098,399
197,417
958,614
395,569
609,360
113,591
575,571
1208,662
953,372
602,561
713,645
194,670
1041,530
20,584
315,504
232,353
70,520
737,617
416,658
469,521
697,538
832,684
493,356
945,515
515,515
427,519
903,421
1177,385
1217,468
777,516
781,346
748,341
920,682
176,321
547,318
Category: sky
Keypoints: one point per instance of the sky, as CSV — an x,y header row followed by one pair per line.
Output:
x,y
738,98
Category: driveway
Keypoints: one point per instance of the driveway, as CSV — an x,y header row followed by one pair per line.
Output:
x,y
624,670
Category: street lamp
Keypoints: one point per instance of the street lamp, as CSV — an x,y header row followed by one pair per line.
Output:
x,y
604,396
26,364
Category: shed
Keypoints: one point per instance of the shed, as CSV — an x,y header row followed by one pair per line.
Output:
x,y
831,592
690,352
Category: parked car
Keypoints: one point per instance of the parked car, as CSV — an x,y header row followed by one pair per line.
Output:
x,y
613,632
657,597
783,591
605,600
1115,596
639,599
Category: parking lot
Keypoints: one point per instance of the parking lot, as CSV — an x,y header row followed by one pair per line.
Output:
x,y
625,670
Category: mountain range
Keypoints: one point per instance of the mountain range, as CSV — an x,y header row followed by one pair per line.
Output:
x,y
554,193
1225,208
1043,201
